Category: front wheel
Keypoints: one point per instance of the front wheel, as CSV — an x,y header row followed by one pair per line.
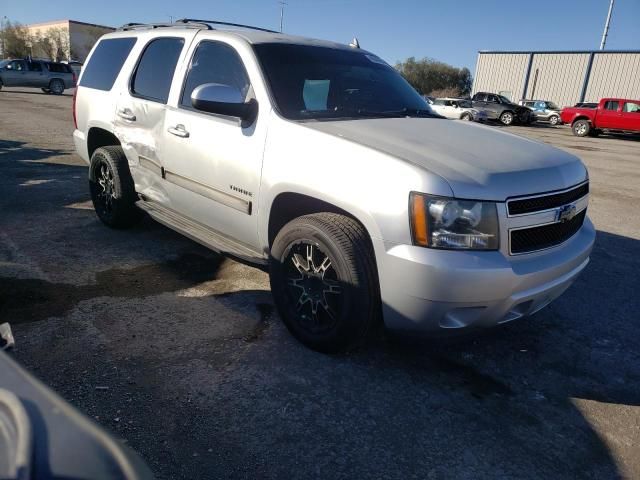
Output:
x,y
324,281
506,118
581,128
112,188
466,117
554,120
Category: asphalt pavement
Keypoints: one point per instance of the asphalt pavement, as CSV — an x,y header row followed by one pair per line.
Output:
x,y
180,353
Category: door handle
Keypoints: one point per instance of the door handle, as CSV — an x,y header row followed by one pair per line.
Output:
x,y
127,114
178,131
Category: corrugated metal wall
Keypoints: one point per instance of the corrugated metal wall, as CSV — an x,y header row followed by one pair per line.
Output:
x,y
501,72
560,77
614,75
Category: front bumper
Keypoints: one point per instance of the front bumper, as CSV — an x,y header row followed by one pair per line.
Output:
x,y
439,292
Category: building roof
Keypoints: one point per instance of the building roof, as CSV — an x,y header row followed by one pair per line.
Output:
x,y
558,51
77,22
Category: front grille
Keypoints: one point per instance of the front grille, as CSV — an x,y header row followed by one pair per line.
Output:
x,y
545,236
536,204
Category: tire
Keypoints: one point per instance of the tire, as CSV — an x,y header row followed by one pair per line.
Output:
x,y
45,90
554,120
581,128
56,86
467,117
112,189
507,118
328,307
1,84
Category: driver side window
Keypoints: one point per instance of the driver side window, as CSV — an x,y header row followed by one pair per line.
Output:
x,y
215,62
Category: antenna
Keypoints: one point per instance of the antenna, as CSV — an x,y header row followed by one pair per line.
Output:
x,y
354,43
282,4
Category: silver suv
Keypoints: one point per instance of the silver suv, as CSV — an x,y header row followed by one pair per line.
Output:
x,y
319,162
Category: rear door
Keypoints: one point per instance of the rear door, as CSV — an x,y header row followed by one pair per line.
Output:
x,y
38,75
630,119
610,115
141,109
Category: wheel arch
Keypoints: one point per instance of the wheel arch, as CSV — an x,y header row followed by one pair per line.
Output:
x,y
581,117
99,137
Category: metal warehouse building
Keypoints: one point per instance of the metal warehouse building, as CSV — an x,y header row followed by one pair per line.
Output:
x,y
564,77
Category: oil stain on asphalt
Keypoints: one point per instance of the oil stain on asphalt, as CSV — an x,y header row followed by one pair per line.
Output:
x,y
30,300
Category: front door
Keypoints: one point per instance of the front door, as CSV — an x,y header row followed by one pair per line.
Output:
x,y
15,74
609,116
212,162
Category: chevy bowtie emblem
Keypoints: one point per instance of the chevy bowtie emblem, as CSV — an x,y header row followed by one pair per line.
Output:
x,y
566,213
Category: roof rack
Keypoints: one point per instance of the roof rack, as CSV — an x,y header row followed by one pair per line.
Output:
x,y
189,23
142,26
226,24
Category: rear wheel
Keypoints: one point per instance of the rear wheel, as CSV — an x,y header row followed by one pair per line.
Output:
x,y
506,118
112,188
1,84
554,119
581,128
45,90
56,86
324,281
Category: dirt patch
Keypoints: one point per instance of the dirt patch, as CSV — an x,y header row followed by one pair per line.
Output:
x,y
30,300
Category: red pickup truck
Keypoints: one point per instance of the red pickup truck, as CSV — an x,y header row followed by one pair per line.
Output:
x,y
616,114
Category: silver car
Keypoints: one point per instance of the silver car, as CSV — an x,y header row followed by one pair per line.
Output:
x,y
544,110
319,162
458,109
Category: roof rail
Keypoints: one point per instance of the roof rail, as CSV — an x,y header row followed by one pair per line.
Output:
x,y
178,24
226,24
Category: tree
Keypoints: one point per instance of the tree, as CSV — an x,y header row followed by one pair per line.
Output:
x,y
429,76
16,41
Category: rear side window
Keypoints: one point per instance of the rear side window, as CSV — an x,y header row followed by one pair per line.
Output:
x,y
106,62
153,76
59,68
632,107
34,66
611,105
215,62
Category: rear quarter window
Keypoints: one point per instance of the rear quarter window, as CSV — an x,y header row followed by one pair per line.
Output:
x,y
106,62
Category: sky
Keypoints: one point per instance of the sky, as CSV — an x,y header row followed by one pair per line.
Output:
x,y
448,30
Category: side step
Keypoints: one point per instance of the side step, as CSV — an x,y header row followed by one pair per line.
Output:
x,y
201,233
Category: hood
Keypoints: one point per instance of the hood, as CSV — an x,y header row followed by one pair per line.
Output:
x,y
478,162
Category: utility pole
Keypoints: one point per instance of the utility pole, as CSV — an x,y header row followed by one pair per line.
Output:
x,y
2,32
282,4
606,26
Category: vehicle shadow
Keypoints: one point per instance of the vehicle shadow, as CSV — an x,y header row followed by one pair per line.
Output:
x,y
34,91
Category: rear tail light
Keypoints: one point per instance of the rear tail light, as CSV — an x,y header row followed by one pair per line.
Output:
x,y
75,79
75,119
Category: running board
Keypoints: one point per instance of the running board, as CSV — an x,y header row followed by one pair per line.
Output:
x,y
201,233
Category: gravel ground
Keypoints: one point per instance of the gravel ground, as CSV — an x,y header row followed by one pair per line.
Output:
x,y
179,352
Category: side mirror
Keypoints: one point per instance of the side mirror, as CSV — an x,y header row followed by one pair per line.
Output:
x,y
224,100
8,67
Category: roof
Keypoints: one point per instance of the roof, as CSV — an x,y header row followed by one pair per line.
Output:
x,y
77,22
253,37
557,51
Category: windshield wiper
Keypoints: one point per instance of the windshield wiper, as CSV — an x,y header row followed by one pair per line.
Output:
x,y
405,112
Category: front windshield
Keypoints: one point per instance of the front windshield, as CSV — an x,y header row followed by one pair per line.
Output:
x,y
552,106
504,99
310,82
465,103
3,63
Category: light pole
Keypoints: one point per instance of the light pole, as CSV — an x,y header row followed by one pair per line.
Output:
x,y
606,26
282,4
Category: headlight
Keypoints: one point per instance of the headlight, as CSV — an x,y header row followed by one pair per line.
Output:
x,y
440,222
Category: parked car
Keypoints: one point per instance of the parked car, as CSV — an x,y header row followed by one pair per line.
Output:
x,y
502,109
51,77
457,108
544,110
611,114
344,184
